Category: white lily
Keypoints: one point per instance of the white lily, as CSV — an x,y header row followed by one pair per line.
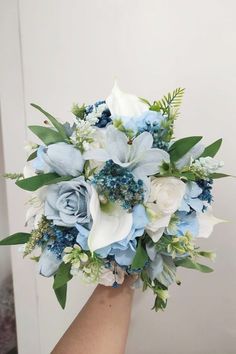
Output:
x,y
111,223
124,104
207,221
138,155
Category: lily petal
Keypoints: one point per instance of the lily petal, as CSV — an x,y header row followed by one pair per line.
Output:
x,y
124,104
109,226
207,221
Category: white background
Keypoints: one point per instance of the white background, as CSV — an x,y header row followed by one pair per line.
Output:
x,y
56,52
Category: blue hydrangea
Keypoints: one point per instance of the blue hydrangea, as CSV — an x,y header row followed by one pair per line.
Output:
x,y
62,237
206,186
149,121
186,222
117,184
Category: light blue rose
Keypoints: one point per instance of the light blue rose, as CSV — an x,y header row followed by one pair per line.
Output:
x,y
62,158
67,203
124,250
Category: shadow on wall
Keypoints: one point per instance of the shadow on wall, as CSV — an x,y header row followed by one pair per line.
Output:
x,y
7,313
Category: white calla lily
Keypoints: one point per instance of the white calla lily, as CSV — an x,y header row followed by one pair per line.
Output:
x,y
111,223
207,221
124,104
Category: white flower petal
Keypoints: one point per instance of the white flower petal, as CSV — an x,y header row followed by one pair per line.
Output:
x,y
109,226
96,154
124,104
117,145
142,143
150,163
207,221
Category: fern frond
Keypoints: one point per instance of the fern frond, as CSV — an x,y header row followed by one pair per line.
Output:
x,y
171,100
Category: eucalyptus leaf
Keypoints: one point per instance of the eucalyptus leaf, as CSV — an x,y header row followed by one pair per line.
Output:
x,y
15,239
189,263
140,258
32,156
47,135
211,150
219,175
33,183
180,147
61,295
62,275
60,128
167,276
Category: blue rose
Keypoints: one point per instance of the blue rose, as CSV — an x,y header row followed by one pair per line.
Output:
x,y
124,250
67,203
62,158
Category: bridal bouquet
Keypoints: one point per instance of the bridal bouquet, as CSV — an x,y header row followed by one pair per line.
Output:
x,y
114,194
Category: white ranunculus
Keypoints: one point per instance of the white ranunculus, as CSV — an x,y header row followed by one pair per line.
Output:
x,y
166,194
207,221
124,104
111,223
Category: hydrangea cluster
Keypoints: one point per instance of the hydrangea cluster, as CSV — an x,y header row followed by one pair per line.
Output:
x,y
58,238
158,133
114,194
117,184
98,114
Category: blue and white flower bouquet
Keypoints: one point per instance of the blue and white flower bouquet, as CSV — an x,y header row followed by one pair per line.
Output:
x,y
114,194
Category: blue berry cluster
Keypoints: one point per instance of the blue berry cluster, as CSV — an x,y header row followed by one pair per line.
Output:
x,y
158,134
117,184
105,116
206,186
59,237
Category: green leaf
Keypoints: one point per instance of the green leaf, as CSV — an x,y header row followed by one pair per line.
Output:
x,y
33,183
211,150
219,175
32,156
140,257
180,147
172,99
15,239
62,275
189,263
47,135
61,295
60,128
145,101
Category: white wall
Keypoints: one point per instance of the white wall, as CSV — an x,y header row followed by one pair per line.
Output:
x,y
5,261
71,51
